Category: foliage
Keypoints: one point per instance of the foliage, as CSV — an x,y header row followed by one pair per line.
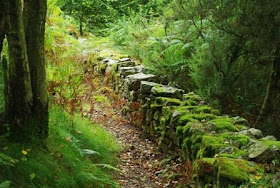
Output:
x,y
214,48
74,155
97,14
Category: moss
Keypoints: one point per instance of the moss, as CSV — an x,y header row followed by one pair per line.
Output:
x,y
165,101
159,88
237,153
203,109
192,128
203,116
209,160
192,96
194,118
235,171
215,112
210,145
236,140
185,109
271,143
185,119
224,124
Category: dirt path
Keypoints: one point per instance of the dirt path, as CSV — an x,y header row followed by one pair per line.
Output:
x,y
141,164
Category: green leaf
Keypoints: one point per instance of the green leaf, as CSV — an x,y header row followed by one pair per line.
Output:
x,y
5,184
32,176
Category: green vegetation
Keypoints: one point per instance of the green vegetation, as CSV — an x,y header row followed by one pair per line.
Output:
x,y
228,52
76,154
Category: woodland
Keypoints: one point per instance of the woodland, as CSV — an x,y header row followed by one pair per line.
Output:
x,y
139,93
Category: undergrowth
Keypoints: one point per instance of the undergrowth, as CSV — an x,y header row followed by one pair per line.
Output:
x,y
76,154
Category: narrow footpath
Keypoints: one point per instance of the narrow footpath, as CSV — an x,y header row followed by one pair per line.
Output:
x,y
141,164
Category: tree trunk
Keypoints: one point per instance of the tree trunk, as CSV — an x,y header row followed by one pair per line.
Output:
x,y
268,120
2,26
81,26
18,110
34,18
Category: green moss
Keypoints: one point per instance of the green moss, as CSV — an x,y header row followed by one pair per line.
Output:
x,y
237,153
185,119
236,140
271,143
203,109
224,124
192,96
209,160
165,101
159,88
192,128
194,118
203,116
215,112
235,171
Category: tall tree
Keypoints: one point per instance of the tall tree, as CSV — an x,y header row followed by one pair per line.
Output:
x,y
18,108
27,100
34,21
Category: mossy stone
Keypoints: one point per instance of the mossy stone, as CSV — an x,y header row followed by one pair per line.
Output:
x,y
224,124
203,109
235,171
165,101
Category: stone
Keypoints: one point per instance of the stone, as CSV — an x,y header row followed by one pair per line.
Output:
x,y
157,115
228,150
125,71
125,59
146,87
192,99
260,153
167,91
126,64
240,120
269,137
133,81
149,115
252,132
234,171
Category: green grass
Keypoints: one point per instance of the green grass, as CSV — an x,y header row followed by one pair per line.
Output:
x,y
76,154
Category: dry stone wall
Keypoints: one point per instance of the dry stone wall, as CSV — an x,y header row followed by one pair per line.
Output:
x,y
224,149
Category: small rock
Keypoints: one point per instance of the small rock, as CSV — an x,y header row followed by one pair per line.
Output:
x,y
269,137
125,59
259,152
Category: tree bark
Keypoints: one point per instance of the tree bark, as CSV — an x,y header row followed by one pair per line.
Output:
x,y
18,110
268,119
34,21
2,26
81,26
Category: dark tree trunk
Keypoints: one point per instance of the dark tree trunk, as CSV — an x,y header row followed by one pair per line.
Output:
x,y
81,26
268,119
34,18
18,110
2,26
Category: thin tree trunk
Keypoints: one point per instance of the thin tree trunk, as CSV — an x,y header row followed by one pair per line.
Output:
x,y
268,119
2,26
18,111
81,26
34,18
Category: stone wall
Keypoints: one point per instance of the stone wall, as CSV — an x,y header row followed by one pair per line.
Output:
x,y
224,149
